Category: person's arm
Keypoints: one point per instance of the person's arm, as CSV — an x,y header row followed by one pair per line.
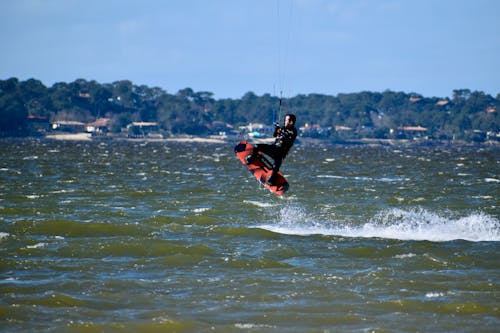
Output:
x,y
277,130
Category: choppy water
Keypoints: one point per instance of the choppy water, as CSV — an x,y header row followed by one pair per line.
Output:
x,y
165,237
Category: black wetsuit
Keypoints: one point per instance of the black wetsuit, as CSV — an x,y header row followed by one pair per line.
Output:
x,y
279,149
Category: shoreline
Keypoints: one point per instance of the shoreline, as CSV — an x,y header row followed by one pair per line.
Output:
x,y
87,137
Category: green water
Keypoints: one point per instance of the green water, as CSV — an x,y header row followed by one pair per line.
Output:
x,y
169,237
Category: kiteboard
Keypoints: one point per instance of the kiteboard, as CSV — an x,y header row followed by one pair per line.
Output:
x,y
261,168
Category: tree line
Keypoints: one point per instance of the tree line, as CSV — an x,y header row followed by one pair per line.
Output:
x,y
467,115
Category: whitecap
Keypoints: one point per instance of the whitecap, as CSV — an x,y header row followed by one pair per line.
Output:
x,y
405,256
258,203
62,191
330,176
244,326
200,210
28,158
250,326
36,246
484,197
365,179
390,179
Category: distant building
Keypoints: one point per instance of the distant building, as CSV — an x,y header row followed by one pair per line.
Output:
x,y
38,124
84,94
341,128
493,135
442,102
68,126
143,129
38,119
314,131
411,132
258,130
99,126
412,129
221,128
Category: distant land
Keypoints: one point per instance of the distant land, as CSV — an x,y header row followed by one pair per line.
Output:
x,y
123,109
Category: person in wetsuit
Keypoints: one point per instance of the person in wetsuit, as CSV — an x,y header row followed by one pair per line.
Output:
x,y
285,137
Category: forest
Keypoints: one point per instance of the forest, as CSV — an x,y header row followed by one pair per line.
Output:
x,y
467,115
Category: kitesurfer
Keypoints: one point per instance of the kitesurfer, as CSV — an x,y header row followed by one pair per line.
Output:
x,y
285,137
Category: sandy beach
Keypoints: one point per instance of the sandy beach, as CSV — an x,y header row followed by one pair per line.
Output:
x,y
70,136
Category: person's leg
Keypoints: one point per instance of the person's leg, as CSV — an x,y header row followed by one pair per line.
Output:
x,y
273,152
263,148
267,149
278,159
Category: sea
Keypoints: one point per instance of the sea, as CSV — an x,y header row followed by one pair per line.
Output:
x,y
138,236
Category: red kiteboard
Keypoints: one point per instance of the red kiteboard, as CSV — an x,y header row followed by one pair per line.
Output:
x,y
261,168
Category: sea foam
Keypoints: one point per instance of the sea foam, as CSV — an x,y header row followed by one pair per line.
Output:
x,y
413,224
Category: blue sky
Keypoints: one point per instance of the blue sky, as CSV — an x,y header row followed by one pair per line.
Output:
x,y
231,47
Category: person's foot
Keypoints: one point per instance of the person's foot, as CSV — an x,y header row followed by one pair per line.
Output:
x,y
250,158
272,179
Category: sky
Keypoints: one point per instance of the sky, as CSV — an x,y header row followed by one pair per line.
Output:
x,y
280,47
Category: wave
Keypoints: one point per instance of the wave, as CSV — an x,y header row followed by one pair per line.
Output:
x,y
415,224
258,203
367,179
